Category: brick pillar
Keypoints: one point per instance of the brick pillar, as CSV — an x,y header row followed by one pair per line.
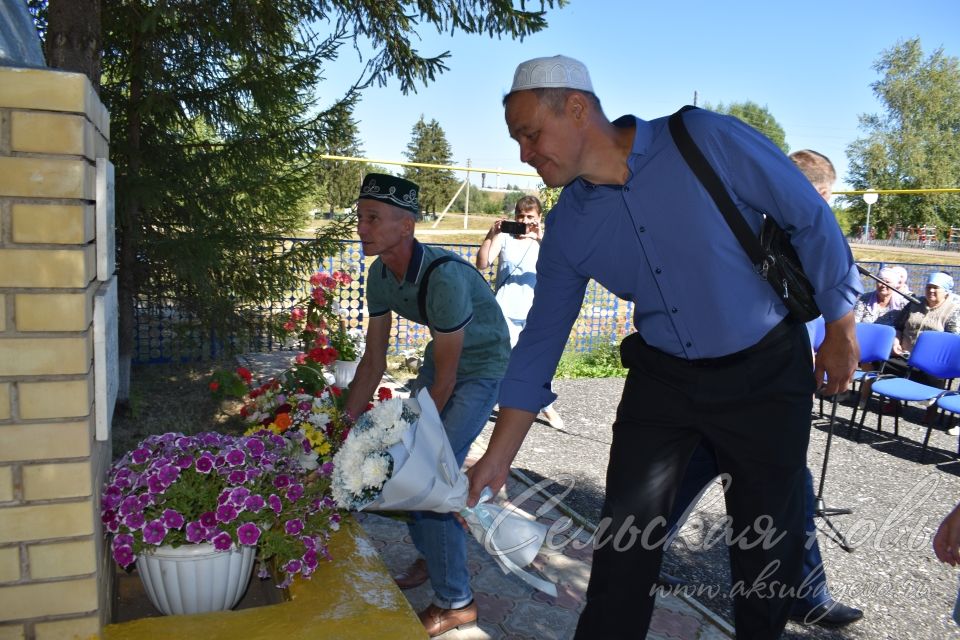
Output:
x,y
53,569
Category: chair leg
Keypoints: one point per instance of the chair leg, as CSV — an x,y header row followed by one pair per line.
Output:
x,y
863,416
926,440
896,420
880,403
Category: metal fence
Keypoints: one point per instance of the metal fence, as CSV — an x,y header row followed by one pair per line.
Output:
x,y
165,332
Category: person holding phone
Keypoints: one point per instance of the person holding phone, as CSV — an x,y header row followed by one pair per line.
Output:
x,y
516,245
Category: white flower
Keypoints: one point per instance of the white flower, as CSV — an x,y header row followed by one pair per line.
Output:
x,y
362,465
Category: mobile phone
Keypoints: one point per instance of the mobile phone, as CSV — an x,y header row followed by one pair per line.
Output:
x,y
513,228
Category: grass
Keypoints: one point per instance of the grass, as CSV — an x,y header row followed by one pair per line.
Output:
x,y
172,397
602,362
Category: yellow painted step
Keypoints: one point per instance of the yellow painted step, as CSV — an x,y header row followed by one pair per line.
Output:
x,y
351,597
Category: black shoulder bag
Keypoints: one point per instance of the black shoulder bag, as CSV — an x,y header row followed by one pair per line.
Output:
x,y
773,255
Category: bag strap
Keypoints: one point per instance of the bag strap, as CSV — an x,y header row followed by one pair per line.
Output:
x,y
711,181
424,281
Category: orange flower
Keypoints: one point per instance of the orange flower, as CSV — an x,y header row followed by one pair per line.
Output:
x,y
282,421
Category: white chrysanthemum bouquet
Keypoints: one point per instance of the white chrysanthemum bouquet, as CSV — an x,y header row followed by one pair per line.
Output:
x,y
397,458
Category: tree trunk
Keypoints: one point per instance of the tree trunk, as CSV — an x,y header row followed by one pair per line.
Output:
x,y
129,229
74,37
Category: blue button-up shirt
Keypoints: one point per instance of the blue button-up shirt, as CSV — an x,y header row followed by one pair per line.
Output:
x,y
660,242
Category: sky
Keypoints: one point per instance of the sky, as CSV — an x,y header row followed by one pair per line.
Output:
x,y
810,63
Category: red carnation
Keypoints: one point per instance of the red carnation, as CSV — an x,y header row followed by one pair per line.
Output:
x,y
384,393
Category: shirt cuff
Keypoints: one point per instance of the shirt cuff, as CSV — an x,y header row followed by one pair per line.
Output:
x,y
840,300
516,394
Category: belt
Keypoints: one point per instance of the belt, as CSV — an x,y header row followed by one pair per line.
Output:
x,y
775,335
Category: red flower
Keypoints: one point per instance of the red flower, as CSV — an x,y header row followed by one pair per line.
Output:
x,y
300,358
384,393
342,277
319,298
335,391
214,385
244,374
289,325
327,281
297,314
315,278
323,355
321,341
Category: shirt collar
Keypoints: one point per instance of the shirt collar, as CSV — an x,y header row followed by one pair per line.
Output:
x,y
413,268
580,189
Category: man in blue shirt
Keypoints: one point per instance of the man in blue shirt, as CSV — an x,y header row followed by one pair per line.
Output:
x,y
463,365
813,604
714,356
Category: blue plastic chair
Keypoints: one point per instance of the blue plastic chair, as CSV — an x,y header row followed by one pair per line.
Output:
x,y
935,353
876,343
947,402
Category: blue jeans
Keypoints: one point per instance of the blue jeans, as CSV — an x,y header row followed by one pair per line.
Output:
x,y
438,536
702,468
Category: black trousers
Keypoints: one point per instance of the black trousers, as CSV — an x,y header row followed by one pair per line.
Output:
x,y
754,408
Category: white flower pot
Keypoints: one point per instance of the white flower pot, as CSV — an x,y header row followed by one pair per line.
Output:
x,y
195,578
343,372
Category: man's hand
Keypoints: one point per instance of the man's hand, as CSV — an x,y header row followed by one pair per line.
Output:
x,y
489,471
946,542
838,356
492,469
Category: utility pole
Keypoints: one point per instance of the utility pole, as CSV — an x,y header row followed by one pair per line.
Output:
x,y
466,208
694,97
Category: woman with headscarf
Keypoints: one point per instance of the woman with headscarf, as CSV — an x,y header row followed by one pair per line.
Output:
x,y
881,305
938,311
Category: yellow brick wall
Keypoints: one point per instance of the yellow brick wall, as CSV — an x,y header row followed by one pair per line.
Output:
x,y
12,632
47,268
52,223
54,311
62,559
9,564
53,569
60,133
73,629
52,481
6,484
60,399
4,400
32,600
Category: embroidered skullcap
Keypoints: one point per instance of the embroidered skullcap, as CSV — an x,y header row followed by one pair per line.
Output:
x,y
393,190
940,279
557,72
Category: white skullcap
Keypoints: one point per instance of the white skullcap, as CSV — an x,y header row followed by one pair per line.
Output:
x,y
557,72
940,279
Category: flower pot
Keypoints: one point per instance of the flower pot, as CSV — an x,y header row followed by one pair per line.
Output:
x,y
343,372
195,578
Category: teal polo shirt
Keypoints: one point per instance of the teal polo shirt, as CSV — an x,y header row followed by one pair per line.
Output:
x,y
458,297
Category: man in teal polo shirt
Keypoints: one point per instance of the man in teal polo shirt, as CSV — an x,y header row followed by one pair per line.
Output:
x,y
463,365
